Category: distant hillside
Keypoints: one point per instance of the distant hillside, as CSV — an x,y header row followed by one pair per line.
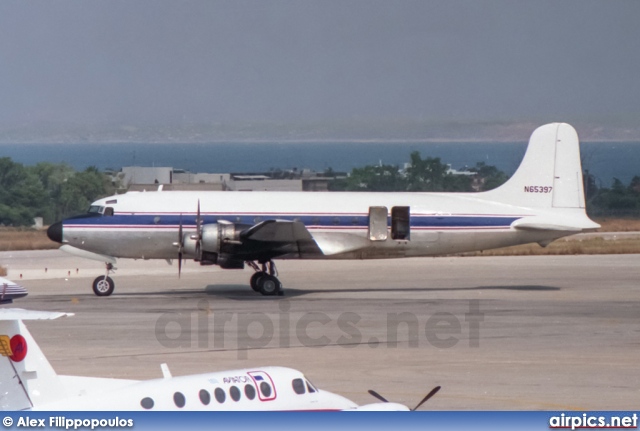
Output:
x,y
345,131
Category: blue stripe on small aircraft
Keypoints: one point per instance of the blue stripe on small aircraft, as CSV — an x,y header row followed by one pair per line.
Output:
x,y
308,220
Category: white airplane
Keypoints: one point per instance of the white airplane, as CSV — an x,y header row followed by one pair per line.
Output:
x,y
28,382
543,200
10,291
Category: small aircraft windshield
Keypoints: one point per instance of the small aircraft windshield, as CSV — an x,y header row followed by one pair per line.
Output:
x,y
310,388
96,209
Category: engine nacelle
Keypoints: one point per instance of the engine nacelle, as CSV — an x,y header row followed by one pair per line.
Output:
x,y
215,235
210,250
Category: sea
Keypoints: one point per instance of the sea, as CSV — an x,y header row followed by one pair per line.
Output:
x,y
604,160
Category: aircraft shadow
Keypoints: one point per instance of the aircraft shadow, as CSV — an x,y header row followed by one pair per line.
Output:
x,y
243,291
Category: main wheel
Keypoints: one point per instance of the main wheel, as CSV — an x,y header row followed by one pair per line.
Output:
x,y
254,281
103,286
269,285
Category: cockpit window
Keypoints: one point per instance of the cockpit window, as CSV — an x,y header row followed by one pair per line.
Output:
x,y
108,211
310,387
96,209
298,386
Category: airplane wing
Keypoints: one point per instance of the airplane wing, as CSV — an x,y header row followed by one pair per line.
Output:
x,y
280,232
290,237
277,231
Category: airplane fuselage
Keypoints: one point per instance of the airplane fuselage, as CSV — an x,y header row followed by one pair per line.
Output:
x,y
145,225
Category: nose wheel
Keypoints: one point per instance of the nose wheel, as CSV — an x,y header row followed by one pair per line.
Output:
x,y
265,279
104,285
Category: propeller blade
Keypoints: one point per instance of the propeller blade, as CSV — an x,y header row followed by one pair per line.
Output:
x,y
426,398
377,395
199,232
199,223
180,247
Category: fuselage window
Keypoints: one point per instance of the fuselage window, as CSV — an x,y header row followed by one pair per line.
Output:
x,y
235,393
179,399
298,386
250,391
108,211
220,396
265,388
205,397
147,403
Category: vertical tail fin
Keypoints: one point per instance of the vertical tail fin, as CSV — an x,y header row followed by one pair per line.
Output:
x,y
26,377
550,175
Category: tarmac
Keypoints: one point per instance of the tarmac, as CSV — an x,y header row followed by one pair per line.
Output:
x,y
497,333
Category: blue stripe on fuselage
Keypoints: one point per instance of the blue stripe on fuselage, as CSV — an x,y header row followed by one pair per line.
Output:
x,y
148,220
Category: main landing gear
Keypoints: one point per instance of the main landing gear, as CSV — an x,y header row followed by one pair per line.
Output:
x,y
265,279
104,285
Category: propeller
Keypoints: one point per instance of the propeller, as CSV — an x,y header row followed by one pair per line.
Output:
x,y
180,247
199,232
378,396
424,400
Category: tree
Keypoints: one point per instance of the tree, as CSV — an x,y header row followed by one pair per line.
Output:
x,y
22,195
372,178
426,174
488,177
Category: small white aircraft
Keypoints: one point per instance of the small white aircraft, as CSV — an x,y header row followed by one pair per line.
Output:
x,y
10,291
543,201
28,382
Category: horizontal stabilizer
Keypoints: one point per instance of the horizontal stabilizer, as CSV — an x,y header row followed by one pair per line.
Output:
x,y
556,223
88,255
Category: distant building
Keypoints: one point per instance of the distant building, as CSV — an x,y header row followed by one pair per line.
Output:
x,y
144,175
138,178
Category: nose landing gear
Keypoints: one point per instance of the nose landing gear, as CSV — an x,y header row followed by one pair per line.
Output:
x,y
104,285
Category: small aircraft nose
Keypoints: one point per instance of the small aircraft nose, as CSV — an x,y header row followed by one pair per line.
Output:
x,y
55,232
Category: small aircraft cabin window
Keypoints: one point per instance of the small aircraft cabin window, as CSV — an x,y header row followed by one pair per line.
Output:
x,y
147,403
235,393
265,388
220,396
96,209
205,397
400,223
298,386
179,400
250,391
108,211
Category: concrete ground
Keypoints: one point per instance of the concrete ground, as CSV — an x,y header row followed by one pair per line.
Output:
x,y
540,332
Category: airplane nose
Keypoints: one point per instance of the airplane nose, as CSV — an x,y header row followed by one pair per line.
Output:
x,y
55,232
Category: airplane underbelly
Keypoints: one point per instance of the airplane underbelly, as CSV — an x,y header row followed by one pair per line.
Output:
x,y
132,243
443,242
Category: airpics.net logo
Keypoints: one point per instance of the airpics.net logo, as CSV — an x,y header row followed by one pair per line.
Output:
x,y
437,326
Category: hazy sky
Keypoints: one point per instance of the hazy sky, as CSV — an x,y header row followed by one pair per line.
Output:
x,y
160,62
